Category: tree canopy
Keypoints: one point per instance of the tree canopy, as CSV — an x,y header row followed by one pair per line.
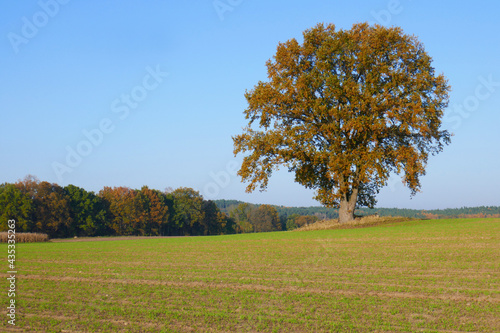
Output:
x,y
343,110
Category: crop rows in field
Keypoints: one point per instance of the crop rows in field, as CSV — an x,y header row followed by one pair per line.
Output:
x,y
413,276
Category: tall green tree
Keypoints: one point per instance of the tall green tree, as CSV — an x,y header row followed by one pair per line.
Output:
x,y
15,205
212,222
188,213
344,110
87,211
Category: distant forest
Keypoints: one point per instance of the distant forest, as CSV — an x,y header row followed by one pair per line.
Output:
x,y
332,213
61,212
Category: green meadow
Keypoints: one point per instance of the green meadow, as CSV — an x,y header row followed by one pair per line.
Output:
x,y
414,276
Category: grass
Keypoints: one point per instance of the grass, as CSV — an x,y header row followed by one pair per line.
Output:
x,y
24,237
429,276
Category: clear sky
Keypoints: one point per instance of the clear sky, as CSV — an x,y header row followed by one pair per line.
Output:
x,y
132,93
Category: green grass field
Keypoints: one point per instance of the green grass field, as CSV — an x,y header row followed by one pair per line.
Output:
x,y
416,276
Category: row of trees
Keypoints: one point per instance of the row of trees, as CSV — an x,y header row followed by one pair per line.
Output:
x,y
318,212
60,212
40,206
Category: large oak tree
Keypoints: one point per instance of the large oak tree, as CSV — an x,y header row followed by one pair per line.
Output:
x,y
343,110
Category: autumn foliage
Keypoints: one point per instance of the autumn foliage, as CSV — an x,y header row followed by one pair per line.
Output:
x,y
343,110
43,207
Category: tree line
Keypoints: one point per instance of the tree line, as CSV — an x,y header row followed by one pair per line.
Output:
x,y
61,212
322,213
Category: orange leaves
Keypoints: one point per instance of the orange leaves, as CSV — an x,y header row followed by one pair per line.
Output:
x,y
343,110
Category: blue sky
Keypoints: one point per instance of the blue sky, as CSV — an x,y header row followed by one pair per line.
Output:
x,y
150,93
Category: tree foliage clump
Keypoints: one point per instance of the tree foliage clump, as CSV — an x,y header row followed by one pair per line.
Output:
x,y
344,110
256,218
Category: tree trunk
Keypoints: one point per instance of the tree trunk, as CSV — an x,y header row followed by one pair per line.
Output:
x,y
347,206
